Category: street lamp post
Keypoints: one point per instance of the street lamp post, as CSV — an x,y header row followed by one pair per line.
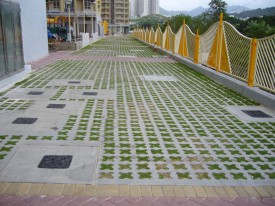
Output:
x,y
68,3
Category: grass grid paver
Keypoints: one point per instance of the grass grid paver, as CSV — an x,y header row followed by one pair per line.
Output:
x,y
157,130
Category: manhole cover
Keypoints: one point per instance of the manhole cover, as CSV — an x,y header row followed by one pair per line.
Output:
x,y
90,93
74,82
56,106
256,113
24,120
56,161
35,93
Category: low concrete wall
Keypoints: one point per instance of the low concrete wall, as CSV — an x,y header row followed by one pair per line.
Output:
x,y
73,46
70,46
85,39
253,93
94,38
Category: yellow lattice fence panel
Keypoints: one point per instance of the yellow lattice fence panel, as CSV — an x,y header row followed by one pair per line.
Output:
x,y
171,39
238,50
159,37
165,42
206,42
168,39
144,35
147,36
152,36
172,42
265,63
190,39
178,40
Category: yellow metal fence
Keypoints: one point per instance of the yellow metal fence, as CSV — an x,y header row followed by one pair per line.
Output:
x,y
222,48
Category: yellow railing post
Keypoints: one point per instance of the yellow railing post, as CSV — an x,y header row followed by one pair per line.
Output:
x,y
197,48
183,43
158,36
174,43
252,62
219,44
167,39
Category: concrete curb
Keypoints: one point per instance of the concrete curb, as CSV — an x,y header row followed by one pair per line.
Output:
x,y
254,93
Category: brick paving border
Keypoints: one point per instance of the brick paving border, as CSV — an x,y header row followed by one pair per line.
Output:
x,y
7,188
66,55
51,58
123,201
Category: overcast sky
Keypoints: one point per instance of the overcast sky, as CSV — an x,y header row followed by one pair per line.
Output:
x,y
187,5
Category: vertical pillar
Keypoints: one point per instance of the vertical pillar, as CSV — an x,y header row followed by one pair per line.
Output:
x,y
219,44
197,48
84,18
252,62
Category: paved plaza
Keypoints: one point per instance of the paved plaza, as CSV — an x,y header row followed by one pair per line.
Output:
x,y
128,115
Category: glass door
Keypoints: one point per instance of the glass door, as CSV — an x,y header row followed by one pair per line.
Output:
x,y
7,23
3,71
18,47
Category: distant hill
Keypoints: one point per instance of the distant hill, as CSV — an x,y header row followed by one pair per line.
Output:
x,y
194,12
256,13
164,12
199,10
236,9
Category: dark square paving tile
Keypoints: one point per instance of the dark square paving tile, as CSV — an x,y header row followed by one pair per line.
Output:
x,y
35,93
256,113
56,161
74,82
56,106
90,93
24,120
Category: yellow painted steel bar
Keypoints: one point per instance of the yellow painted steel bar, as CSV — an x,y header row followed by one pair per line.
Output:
x,y
197,48
252,62
219,45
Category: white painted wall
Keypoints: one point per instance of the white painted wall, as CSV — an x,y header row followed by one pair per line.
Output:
x,y
34,29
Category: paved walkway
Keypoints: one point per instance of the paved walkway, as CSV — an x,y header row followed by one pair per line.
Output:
x,y
135,122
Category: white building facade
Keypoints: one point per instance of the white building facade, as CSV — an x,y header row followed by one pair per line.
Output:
x,y
23,37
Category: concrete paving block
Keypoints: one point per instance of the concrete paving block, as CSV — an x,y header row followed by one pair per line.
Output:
x,y
23,166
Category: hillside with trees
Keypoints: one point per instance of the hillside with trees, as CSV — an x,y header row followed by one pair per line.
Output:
x,y
256,13
254,27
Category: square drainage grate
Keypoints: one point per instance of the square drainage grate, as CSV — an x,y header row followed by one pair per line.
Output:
x,y
24,120
56,161
74,82
90,93
35,93
56,106
256,113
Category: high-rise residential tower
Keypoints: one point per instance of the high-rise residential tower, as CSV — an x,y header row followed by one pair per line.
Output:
x,y
140,8
117,14
153,7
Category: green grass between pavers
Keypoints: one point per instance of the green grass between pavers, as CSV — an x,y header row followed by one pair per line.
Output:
x,y
167,127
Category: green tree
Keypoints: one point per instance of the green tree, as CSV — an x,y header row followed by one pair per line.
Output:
x,y
175,22
216,7
257,29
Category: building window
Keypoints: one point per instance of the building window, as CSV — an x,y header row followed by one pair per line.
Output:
x,y
56,4
87,4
